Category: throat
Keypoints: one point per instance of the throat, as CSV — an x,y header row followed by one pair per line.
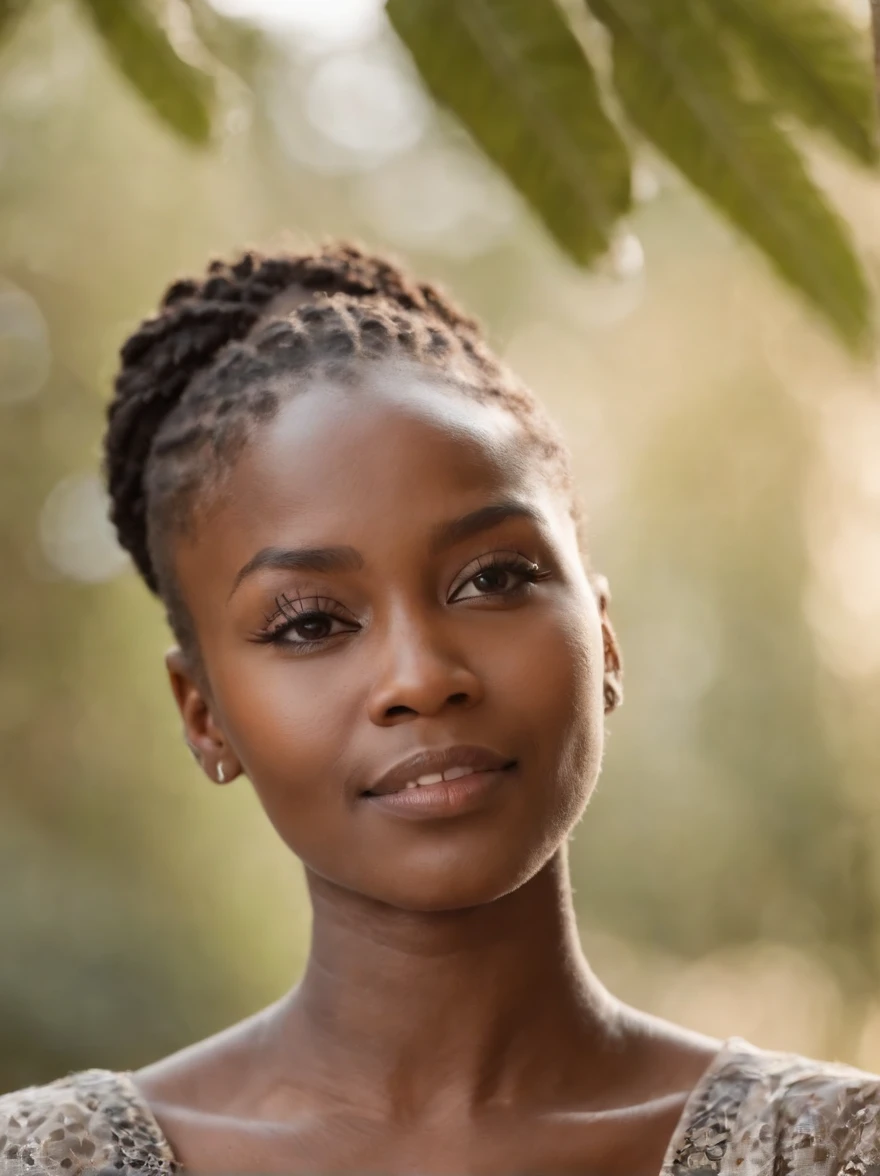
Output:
x,y
461,1008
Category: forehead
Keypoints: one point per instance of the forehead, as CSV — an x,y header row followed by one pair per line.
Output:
x,y
373,462
392,435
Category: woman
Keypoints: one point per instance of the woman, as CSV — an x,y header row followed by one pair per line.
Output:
x,y
364,532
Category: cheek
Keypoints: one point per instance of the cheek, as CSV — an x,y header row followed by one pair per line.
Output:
x,y
554,682
287,720
560,660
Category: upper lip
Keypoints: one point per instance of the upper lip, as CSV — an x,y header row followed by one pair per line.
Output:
x,y
481,759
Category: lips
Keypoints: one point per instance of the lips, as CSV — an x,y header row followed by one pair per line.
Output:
x,y
429,768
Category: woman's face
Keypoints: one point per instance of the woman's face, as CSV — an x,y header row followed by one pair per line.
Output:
x,y
390,574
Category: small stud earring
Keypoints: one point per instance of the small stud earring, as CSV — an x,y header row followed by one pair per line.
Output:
x,y
220,776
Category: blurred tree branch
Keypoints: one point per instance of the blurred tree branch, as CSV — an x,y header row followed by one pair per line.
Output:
x,y
712,85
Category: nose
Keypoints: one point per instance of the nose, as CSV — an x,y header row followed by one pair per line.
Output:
x,y
419,672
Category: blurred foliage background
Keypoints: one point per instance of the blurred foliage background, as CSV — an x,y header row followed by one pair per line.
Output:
x,y
728,870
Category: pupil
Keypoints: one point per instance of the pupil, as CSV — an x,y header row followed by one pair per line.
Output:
x,y
488,575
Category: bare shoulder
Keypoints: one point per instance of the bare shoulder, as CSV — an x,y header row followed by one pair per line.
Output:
x,y
669,1060
204,1075
214,1103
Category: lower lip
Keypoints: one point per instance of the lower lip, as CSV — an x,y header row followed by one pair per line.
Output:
x,y
448,798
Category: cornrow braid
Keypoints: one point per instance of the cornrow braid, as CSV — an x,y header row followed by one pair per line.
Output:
x,y
197,378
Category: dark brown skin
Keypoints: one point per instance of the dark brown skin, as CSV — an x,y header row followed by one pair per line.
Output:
x,y
447,1021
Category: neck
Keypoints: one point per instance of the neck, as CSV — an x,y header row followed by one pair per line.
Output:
x,y
493,1003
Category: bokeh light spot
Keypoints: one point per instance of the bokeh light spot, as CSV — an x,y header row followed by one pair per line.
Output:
x,y
365,105
76,536
25,353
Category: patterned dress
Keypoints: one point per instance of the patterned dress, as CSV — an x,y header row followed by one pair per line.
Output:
x,y
753,1113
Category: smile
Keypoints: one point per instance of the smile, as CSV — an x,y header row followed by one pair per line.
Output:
x,y
437,777
446,782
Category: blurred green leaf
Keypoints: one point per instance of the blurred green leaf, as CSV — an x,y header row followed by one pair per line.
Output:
x,y
180,93
10,11
679,87
515,75
812,61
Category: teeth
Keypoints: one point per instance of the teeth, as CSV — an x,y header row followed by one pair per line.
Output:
x,y
436,777
433,778
455,773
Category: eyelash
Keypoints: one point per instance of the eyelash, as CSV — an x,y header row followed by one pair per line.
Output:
x,y
293,608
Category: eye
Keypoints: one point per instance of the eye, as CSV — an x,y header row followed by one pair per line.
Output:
x,y
305,623
505,574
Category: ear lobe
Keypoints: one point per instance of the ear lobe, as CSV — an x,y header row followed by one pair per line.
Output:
x,y
602,592
200,732
613,661
613,675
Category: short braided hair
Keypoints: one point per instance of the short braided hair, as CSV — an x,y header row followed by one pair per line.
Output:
x,y
196,379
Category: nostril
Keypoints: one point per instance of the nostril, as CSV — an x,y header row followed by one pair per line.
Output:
x,y
394,711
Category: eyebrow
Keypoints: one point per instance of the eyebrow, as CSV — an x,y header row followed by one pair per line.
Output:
x,y
298,559
484,519
348,559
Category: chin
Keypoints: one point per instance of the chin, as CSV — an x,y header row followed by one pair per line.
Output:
x,y
434,891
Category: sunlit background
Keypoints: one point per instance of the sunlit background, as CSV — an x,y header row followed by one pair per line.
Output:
x,y
728,870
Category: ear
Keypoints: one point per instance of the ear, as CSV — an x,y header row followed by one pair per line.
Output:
x,y
613,674
202,734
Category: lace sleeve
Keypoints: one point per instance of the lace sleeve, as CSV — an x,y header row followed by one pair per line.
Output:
x,y
87,1124
830,1122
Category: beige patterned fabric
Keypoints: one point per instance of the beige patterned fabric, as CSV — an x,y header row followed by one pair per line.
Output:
x,y
757,1113
93,1121
753,1113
